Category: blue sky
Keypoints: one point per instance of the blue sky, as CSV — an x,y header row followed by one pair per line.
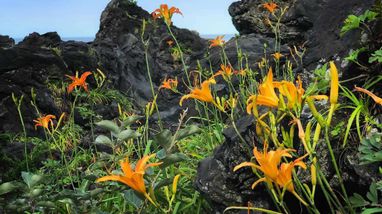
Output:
x,y
80,18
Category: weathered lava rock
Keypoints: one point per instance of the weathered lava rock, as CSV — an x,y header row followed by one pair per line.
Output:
x,y
32,64
311,24
6,41
216,179
49,40
117,50
122,53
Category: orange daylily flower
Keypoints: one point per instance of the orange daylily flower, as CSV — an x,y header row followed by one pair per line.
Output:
x,y
225,71
267,95
376,99
79,81
284,178
270,6
218,41
169,84
291,91
202,94
165,13
133,179
268,163
44,121
241,72
277,55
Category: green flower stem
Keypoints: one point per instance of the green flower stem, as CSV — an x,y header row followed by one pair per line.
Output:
x,y
152,88
18,105
334,161
181,53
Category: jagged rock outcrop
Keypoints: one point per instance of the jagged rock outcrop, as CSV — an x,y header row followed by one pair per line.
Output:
x,y
222,186
6,41
117,50
122,53
37,60
311,24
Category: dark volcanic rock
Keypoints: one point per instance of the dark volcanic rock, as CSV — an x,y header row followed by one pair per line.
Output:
x,y
6,41
51,39
315,24
311,24
216,179
122,53
33,65
117,50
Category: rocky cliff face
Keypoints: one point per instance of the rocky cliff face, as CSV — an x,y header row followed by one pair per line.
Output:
x,y
312,24
120,49
32,63
117,50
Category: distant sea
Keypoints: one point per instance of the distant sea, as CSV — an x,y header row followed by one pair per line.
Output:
x,y
90,39
213,36
81,39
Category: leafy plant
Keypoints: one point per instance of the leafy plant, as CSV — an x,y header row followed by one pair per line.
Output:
x,y
376,56
370,150
353,22
32,195
120,132
370,204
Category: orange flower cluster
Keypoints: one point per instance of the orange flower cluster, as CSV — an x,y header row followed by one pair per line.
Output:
x,y
44,121
164,12
277,55
268,163
294,93
217,42
171,84
270,6
225,71
81,82
133,179
202,94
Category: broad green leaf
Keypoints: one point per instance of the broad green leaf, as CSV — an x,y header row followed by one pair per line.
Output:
x,y
172,159
163,138
9,187
102,139
187,131
161,154
372,195
47,204
357,200
31,179
132,198
36,192
130,120
128,134
109,125
372,210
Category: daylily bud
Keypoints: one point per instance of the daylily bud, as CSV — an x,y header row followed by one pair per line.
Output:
x,y
313,171
315,113
334,83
